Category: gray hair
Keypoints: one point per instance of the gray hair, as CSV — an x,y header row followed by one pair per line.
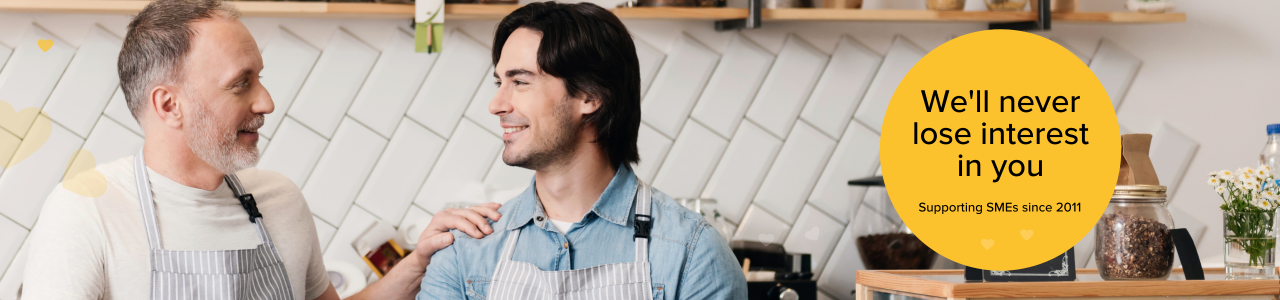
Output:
x,y
157,43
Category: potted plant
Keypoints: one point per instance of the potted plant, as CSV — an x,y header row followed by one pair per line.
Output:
x,y
1248,217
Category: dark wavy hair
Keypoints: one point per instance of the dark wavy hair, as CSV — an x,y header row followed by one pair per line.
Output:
x,y
588,47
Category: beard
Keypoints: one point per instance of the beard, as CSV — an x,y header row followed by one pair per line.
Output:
x,y
552,146
220,147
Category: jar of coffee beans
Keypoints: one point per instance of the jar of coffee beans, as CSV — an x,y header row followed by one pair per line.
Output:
x,y
1132,239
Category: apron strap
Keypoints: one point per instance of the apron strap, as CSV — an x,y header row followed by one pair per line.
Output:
x,y
147,203
643,220
144,201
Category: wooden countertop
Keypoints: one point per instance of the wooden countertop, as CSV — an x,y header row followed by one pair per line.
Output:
x,y
950,284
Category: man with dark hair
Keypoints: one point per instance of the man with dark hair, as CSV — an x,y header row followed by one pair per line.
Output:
x,y
569,101
193,220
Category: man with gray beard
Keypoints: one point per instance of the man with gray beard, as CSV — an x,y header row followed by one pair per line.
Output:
x,y
188,217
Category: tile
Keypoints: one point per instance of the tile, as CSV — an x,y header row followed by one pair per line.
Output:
x,y
856,156
877,200
650,62
5,51
263,30
733,85
403,167
378,33
787,87
11,240
11,279
791,178
342,170
741,169
1171,154
333,83
1084,248
324,232
30,74
296,151
898,61
118,109
760,226
839,276
677,85
391,84
315,32
478,110
414,215
285,65
464,162
1115,68
815,233
26,185
87,84
15,25
841,86
262,144
72,28
690,162
1084,56
412,218
451,84
8,146
504,182
339,247
653,147
110,141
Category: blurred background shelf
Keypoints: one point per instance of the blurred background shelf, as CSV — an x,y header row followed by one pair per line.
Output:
x,y
486,11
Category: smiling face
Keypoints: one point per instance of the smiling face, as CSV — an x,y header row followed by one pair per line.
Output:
x,y
223,100
541,123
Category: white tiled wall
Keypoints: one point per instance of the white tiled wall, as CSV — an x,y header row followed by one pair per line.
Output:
x,y
770,122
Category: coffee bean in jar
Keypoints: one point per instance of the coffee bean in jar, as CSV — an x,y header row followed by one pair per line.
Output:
x,y
1132,241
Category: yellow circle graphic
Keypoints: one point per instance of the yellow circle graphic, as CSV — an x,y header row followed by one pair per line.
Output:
x,y
1014,158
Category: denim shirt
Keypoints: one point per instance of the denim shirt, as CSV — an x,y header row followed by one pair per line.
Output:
x,y
689,259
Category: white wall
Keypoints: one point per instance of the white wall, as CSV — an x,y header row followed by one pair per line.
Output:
x,y
365,141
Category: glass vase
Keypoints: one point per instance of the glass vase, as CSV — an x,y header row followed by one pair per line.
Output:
x,y
1250,238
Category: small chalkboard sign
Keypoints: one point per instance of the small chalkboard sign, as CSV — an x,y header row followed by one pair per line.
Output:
x,y
1059,268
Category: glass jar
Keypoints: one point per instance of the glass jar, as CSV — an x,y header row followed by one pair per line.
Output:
x,y
707,208
1132,241
1250,238
884,242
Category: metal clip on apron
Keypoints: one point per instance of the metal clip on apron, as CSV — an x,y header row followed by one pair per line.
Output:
x,y
218,274
522,280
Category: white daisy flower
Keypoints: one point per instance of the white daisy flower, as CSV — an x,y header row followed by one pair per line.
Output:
x,y
1248,171
1220,190
1265,205
1226,174
1215,181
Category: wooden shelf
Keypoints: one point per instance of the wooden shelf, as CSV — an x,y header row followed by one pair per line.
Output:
x,y
483,11
950,284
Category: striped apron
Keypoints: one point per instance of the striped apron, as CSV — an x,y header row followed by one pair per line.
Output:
x,y
216,274
522,280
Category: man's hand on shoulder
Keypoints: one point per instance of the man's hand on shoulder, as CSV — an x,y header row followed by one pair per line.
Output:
x,y
403,281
